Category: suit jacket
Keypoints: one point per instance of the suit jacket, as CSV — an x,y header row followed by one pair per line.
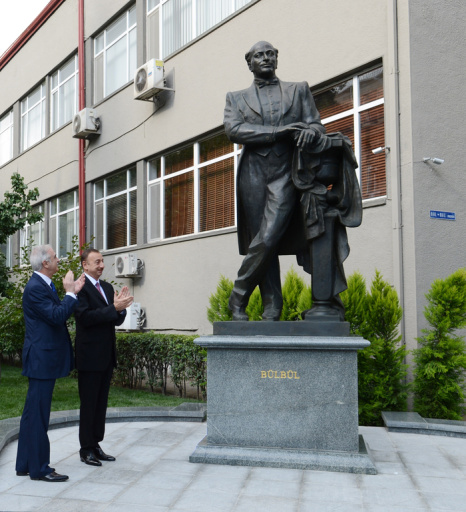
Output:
x,y
47,351
95,328
244,124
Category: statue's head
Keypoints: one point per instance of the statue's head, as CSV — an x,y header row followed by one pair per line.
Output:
x,y
262,59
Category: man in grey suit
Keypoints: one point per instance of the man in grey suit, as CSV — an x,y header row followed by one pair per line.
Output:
x,y
270,118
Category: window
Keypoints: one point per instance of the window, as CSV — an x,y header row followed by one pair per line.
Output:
x,y
172,24
5,249
6,137
64,221
355,107
33,117
191,190
64,104
115,210
31,235
115,55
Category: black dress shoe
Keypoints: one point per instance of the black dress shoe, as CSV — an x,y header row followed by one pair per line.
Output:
x,y
99,453
90,459
22,473
52,477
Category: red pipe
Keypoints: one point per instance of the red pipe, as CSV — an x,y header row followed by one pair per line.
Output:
x,y
82,104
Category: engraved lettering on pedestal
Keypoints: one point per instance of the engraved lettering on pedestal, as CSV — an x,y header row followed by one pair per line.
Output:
x,y
279,374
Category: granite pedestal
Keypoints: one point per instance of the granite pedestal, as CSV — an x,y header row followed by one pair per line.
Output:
x,y
283,401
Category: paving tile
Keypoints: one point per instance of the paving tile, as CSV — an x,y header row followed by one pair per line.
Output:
x,y
342,480
450,502
91,491
279,474
321,506
265,504
197,500
391,498
268,488
13,502
331,494
147,495
441,485
62,505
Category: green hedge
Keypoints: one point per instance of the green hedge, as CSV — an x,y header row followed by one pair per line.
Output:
x,y
151,358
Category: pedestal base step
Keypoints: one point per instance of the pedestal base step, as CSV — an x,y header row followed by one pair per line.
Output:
x,y
344,462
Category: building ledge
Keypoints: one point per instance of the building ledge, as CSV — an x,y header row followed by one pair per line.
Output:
x,y
413,423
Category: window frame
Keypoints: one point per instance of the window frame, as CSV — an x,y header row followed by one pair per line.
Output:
x,y
195,169
56,90
25,234
25,113
55,217
104,201
235,5
356,111
8,127
102,94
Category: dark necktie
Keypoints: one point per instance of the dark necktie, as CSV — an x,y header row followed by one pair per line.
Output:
x,y
97,285
260,82
54,290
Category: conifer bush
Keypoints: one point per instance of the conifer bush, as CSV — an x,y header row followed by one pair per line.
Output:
x,y
440,359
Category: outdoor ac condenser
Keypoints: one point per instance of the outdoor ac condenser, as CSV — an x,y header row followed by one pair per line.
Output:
x,y
85,124
126,265
149,80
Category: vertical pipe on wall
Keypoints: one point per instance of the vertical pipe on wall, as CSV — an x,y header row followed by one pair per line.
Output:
x,y
82,104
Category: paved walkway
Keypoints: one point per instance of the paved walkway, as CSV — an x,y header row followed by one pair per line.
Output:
x,y
152,473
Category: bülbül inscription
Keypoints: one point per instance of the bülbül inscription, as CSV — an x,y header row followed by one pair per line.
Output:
x,y
277,374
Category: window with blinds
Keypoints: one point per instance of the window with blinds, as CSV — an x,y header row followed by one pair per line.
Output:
x,y
355,107
192,190
115,212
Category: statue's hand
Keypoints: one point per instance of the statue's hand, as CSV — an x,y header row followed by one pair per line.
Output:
x,y
292,129
307,137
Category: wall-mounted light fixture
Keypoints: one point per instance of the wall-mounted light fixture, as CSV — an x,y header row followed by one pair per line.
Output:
x,y
381,149
434,160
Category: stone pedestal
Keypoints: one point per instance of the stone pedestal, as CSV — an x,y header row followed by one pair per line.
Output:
x,y
283,401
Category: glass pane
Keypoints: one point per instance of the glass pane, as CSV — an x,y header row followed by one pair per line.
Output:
x,y
371,86
177,24
154,169
99,78
53,232
66,201
132,17
179,160
373,178
65,233
132,177
99,189
99,43
154,211
132,53
152,28
55,80
211,12
55,111
34,97
214,147
99,226
67,70
216,190
116,183
24,105
133,221
36,233
68,98
53,206
116,29
6,145
116,222
151,4
115,65
345,126
241,3
179,205
335,99
34,126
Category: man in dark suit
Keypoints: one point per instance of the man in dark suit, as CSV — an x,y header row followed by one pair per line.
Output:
x,y
270,118
47,356
98,312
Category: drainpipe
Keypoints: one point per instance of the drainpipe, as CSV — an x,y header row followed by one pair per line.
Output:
x,y
82,104
396,166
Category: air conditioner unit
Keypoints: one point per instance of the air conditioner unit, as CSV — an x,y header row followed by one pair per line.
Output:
x,y
133,315
126,265
85,124
149,80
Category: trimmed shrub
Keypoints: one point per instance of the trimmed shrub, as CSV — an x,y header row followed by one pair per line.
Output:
x,y
440,360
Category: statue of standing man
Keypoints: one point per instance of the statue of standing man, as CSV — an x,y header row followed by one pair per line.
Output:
x,y
279,126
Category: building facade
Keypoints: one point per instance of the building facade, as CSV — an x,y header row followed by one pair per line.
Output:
x,y
160,176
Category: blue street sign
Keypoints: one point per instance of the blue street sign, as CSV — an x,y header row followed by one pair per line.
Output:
x,y
434,214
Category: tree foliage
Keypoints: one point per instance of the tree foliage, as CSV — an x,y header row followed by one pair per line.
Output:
x,y
440,359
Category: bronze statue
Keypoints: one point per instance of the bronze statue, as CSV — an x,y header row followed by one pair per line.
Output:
x,y
279,126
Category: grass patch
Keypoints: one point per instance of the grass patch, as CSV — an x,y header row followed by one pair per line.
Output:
x,y
13,390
